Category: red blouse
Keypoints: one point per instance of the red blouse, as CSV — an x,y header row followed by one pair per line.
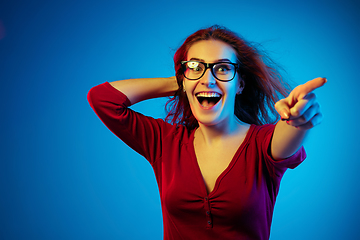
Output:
x,y
242,201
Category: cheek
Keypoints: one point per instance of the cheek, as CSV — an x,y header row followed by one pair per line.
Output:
x,y
231,89
187,92
237,86
188,87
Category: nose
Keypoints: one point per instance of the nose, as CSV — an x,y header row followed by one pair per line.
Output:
x,y
208,79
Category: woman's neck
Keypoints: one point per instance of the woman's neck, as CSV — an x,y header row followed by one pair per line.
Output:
x,y
214,134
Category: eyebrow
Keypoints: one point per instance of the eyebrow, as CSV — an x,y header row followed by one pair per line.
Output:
x,y
218,60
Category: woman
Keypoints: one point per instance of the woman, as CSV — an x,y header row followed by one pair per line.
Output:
x,y
217,164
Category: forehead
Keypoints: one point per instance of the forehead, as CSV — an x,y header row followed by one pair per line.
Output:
x,y
211,51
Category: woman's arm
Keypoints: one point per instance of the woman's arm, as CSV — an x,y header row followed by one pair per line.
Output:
x,y
302,112
144,134
146,88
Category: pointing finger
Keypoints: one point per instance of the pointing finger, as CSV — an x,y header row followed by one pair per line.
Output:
x,y
311,86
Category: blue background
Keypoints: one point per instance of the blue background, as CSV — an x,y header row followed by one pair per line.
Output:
x,y
64,175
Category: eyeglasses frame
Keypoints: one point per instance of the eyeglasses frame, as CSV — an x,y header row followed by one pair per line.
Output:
x,y
211,66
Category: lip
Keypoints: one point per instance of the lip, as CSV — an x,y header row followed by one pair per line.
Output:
x,y
209,108
208,92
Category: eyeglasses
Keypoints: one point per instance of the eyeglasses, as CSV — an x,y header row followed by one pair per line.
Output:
x,y
222,71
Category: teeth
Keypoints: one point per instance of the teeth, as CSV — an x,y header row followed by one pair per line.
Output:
x,y
208,94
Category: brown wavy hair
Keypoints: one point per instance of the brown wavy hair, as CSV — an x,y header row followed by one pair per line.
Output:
x,y
263,82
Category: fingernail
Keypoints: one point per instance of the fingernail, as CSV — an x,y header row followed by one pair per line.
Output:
x,y
286,114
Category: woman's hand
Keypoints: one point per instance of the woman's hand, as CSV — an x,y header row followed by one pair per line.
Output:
x,y
301,109
301,112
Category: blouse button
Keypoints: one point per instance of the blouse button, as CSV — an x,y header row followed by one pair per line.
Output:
x,y
206,198
209,222
207,212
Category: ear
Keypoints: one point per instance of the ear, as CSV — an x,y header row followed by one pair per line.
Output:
x,y
241,86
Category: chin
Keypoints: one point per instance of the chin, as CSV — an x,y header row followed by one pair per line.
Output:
x,y
210,119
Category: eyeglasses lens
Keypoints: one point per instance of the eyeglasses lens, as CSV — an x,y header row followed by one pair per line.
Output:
x,y
222,71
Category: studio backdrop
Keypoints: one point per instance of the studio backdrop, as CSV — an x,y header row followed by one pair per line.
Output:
x,y
64,175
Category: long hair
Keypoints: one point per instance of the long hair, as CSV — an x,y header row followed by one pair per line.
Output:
x,y
263,83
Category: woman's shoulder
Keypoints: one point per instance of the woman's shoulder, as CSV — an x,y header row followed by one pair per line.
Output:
x,y
261,131
264,127
177,132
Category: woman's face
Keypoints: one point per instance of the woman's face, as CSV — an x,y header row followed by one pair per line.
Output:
x,y
212,101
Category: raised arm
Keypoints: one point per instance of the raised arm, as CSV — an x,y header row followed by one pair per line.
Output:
x,y
301,112
142,133
146,88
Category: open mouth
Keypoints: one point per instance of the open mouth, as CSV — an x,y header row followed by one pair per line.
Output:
x,y
208,99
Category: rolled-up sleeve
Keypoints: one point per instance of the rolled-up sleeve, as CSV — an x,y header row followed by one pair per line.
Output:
x,y
266,133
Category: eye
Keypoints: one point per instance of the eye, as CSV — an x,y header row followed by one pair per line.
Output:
x,y
194,66
223,68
